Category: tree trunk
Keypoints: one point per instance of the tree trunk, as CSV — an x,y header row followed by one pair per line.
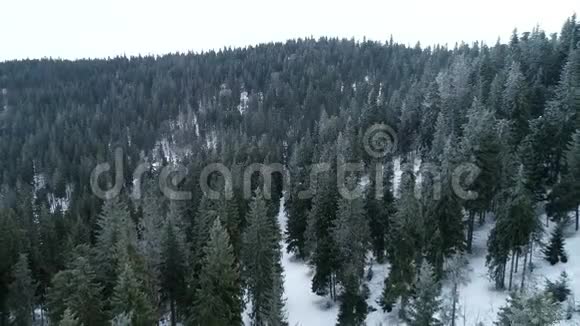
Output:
x,y
577,219
524,268
511,272
470,225
504,267
481,218
173,313
531,254
517,261
453,309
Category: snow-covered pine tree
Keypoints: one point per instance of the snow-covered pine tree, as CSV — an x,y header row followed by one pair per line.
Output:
x,y
298,208
262,270
444,225
149,226
479,146
69,319
560,289
117,234
319,242
425,303
555,251
173,264
515,104
21,292
77,289
130,297
352,238
457,273
379,207
405,246
573,159
515,225
534,309
217,301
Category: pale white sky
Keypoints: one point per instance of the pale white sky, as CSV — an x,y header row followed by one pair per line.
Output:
x,y
100,28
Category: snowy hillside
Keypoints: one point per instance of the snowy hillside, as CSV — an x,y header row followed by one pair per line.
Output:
x,y
479,302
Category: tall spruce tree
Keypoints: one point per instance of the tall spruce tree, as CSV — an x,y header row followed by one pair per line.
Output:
x,y
149,226
262,271
379,206
69,319
218,299
22,292
117,233
130,297
405,246
78,290
425,304
555,251
320,243
352,238
173,264
573,176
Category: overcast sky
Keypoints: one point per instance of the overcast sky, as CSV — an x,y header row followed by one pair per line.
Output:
x,y
100,28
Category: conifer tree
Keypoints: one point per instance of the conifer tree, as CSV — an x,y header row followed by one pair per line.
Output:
x,y
379,207
150,238
320,243
117,233
262,270
560,289
218,299
425,304
515,104
173,264
573,160
535,309
351,236
68,319
555,251
405,246
296,206
10,245
21,292
444,216
77,289
130,297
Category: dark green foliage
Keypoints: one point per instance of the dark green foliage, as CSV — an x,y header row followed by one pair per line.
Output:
x,y
262,270
425,303
76,289
535,309
218,299
353,305
173,266
406,239
379,207
554,251
560,289
130,297
295,103
68,319
21,292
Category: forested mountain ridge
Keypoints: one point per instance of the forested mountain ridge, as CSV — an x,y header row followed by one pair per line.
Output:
x,y
512,109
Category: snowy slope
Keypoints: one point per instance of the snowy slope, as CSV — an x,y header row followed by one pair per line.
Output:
x,y
479,301
304,308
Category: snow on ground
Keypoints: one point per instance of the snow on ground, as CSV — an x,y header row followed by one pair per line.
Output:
x,y
480,302
304,308
398,170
